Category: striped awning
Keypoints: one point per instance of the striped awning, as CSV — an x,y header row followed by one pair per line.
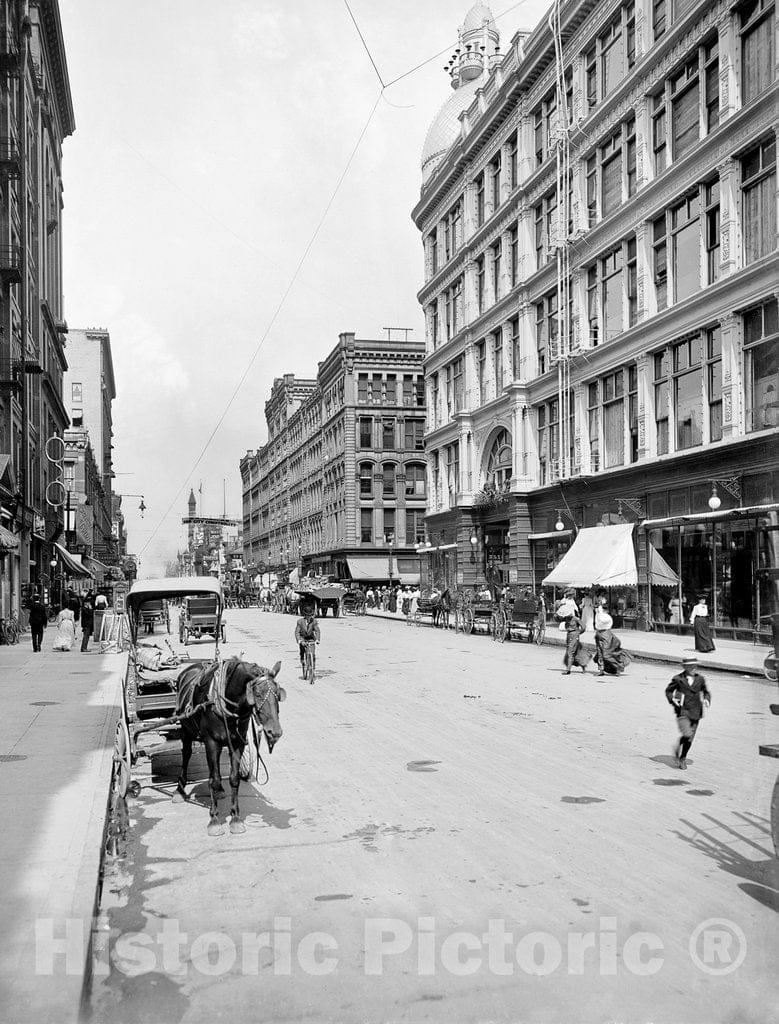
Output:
x,y
74,567
8,541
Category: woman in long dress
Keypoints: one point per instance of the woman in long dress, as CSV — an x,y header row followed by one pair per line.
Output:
x,y
609,656
66,631
575,653
701,627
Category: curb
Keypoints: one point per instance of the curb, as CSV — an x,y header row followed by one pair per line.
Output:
x,y
656,657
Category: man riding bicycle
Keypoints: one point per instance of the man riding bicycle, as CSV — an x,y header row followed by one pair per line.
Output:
x,y
306,630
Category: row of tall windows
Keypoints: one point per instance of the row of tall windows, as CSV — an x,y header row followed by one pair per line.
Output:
x,y
415,485
390,389
387,434
415,527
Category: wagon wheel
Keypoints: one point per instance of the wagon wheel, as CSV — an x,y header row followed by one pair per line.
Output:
x,y
122,766
417,617
540,632
775,816
468,620
501,627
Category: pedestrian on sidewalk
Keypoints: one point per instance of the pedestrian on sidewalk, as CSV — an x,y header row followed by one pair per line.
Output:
x,y
688,695
87,620
701,627
609,656
575,652
38,619
66,631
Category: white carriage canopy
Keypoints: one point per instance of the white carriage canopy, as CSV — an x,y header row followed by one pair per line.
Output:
x,y
604,556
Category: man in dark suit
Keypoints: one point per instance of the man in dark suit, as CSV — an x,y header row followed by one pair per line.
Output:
x,y
688,695
87,619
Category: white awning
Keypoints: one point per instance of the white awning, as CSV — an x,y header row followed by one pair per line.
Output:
x,y
708,517
73,566
600,556
660,572
370,567
552,535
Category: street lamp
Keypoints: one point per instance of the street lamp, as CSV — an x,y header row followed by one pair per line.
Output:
x,y
141,507
389,539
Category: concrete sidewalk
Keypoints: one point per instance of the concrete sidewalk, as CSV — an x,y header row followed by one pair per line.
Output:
x,y
730,655
59,712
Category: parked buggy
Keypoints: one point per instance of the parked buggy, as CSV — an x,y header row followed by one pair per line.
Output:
x,y
201,615
436,604
353,602
480,612
521,617
149,688
155,613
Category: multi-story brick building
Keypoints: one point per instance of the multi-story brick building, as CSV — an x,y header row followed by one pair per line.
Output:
x,y
599,220
36,115
339,488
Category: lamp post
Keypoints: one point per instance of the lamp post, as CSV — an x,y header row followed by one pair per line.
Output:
x,y
389,539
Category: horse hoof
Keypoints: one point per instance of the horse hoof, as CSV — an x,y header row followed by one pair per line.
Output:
x,y
179,797
215,829
237,826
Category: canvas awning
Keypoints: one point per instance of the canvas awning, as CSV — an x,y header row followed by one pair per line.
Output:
x,y
294,577
8,541
74,567
660,572
600,556
370,567
98,563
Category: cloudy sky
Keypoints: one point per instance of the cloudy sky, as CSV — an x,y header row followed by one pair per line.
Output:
x,y
210,138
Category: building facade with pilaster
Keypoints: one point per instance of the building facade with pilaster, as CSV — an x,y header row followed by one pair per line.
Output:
x,y
36,115
599,222
339,488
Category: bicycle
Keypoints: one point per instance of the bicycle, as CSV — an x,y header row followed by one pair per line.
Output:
x,y
309,661
9,630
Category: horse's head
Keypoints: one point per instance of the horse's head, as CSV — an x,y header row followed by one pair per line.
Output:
x,y
263,694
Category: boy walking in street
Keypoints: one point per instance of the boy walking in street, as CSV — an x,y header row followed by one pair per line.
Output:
x,y
688,695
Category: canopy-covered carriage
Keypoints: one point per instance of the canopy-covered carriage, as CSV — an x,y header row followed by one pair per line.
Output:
x,y
149,687
353,602
201,615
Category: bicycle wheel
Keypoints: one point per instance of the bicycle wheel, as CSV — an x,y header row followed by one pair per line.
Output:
x,y
310,665
12,632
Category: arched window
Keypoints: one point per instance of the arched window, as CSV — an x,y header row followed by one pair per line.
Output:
x,y
388,487
499,462
415,480
366,479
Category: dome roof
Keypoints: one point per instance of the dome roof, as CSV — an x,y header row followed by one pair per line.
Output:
x,y
445,129
477,15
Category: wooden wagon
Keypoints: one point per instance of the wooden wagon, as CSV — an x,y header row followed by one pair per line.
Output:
x,y
479,613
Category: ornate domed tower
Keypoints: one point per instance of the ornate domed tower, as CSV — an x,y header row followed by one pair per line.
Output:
x,y
476,54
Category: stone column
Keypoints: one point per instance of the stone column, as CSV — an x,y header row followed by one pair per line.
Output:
x,y
469,209
581,447
526,148
644,166
646,446
728,41
580,328
647,300
471,382
733,395
470,305
527,342
730,217
643,28
526,251
578,112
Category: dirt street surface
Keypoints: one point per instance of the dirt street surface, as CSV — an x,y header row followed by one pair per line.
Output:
x,y
453,831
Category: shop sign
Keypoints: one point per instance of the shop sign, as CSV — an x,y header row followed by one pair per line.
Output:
x,y
85,519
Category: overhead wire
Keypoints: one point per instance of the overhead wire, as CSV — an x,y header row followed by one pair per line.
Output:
x,y
293,279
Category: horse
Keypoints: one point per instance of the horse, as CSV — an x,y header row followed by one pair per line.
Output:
x,y
441,609
216,711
